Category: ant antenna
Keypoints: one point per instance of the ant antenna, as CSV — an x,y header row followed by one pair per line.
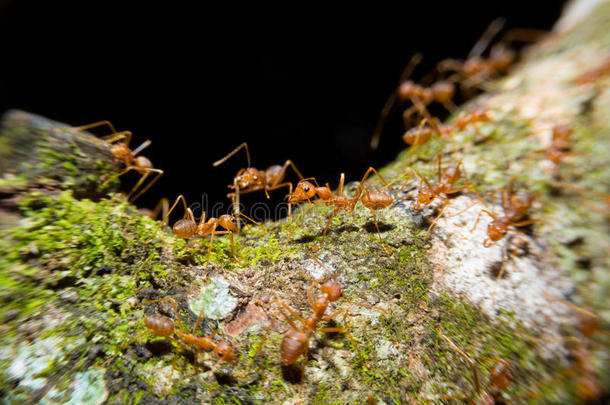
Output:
x,y
224,159
490,32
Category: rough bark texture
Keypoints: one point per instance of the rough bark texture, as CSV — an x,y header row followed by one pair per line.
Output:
x,y
73,271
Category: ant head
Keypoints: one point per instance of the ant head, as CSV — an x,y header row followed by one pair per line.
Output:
x,y
227,222
500,375
502,57
443,90
122,152
304,191
250,177
224,351
142,162
185,228
407,89
424,197
496,230
332,289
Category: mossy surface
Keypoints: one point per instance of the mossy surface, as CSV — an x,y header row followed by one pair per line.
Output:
x,y
75,275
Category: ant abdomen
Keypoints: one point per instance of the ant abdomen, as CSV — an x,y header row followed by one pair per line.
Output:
x,y
160,325
185,228
292,346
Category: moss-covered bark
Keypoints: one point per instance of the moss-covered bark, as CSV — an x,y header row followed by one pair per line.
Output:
x,y
73,272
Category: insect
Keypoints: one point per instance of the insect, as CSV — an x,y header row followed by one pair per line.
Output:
x,y
375,200
587,386
515,206
118,142
305,191
250,179
446,180
187,227
476,116
162,326
560,145
476,69
296,340
441,92
500,377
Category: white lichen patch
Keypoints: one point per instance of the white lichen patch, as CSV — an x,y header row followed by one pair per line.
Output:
x,y
29,360
467,268
87,388
215,299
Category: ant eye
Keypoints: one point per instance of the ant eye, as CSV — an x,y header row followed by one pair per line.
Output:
x,y
255,178
306,189
220,354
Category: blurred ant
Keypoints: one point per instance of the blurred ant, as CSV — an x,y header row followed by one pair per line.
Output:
x,y
560,145
477,69
515,206
440,92
118,142
500,377
587,386
187,227
296,340
163,326
250,179
446,180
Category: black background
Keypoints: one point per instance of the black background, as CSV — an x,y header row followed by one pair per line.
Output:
x,y
302,81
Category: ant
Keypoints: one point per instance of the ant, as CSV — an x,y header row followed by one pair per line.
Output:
x,y
118,142
476,69
162,326
446,180
296,340
500,377
587,386
187,227
560,145
250,179
441,92
305,190
515,206
476,116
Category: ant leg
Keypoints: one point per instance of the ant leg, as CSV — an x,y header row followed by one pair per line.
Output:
x,y
159,173
161,207
569,304
465,356
347,334
436,219
383,115
224,159
119,174
253,221
479,217
387,250
290,310
187,212
171,301
95,125
201,315
335,314
525,223
423,179
140,336
119,136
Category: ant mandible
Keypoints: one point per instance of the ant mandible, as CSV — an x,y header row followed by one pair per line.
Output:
x,y
250,179
162,326
515,206
441,92
500,376
187,227
118,142
446,180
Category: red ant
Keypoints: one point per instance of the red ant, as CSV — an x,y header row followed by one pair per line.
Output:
x,y
250,179
305,190
187,227
587,386
118,142
500,377
474,117
296,340
441,92
515,206
446,180
560,145
476,69
163,326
